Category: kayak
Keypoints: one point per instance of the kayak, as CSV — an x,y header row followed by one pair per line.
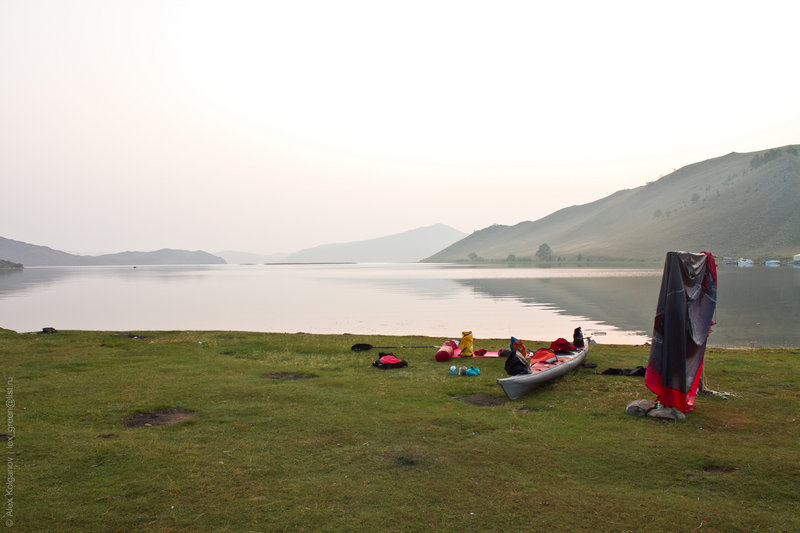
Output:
x,y
543,372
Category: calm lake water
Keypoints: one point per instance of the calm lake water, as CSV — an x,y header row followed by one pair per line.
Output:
x,y
757,306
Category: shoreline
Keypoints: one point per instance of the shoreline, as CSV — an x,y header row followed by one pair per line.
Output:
x,y
144,332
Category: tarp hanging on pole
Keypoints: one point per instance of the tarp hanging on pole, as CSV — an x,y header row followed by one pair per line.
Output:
x,y
684,315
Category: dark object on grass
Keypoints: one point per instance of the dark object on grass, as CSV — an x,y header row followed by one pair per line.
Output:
x,y
589,365
161,418
49,331
290,376
365,347
128,335
638,371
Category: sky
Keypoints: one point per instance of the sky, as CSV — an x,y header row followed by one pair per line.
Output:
x,y
271,127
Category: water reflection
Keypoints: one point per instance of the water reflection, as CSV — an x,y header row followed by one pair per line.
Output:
x,y
757,306
626,303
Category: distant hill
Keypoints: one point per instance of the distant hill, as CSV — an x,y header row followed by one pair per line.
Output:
x,y
165,256
35,255
9,265
243,258
410,246
736,205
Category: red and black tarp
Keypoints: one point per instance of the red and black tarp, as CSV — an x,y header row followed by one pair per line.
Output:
x,y
684,315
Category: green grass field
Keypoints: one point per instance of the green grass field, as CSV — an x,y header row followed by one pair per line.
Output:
x,y
349,447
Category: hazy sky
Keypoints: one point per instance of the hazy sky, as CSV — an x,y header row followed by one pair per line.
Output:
x,y
274,126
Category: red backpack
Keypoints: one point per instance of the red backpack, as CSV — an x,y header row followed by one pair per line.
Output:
x,y
388,360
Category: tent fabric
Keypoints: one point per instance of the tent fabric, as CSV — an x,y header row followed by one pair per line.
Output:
x,y
686,304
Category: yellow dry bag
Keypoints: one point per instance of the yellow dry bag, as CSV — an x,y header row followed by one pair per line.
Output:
x,y
466,344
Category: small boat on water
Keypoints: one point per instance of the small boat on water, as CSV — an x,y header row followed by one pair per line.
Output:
x,y
772,263
543,372
745,262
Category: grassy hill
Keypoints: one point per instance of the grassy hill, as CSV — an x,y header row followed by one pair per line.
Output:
x,y
735,205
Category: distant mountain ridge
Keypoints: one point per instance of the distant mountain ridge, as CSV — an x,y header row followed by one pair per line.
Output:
x,y
409,246
236,257
406,247
35,255
734,205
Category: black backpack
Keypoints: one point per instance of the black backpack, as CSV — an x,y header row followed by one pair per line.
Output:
x,y
577,338
517,364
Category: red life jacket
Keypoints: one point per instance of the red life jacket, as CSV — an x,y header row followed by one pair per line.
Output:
x,y
562,345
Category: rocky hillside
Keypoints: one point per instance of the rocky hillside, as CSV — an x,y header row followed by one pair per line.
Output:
x,y
735,205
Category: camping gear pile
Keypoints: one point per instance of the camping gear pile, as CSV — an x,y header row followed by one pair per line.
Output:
x,y
453,350
684,316
528,371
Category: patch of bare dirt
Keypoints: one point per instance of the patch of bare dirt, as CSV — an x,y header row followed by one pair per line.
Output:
x,y
401,459
483,400
714,469
161,418
288,376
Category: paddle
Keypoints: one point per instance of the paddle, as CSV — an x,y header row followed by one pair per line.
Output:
x,y
365,347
